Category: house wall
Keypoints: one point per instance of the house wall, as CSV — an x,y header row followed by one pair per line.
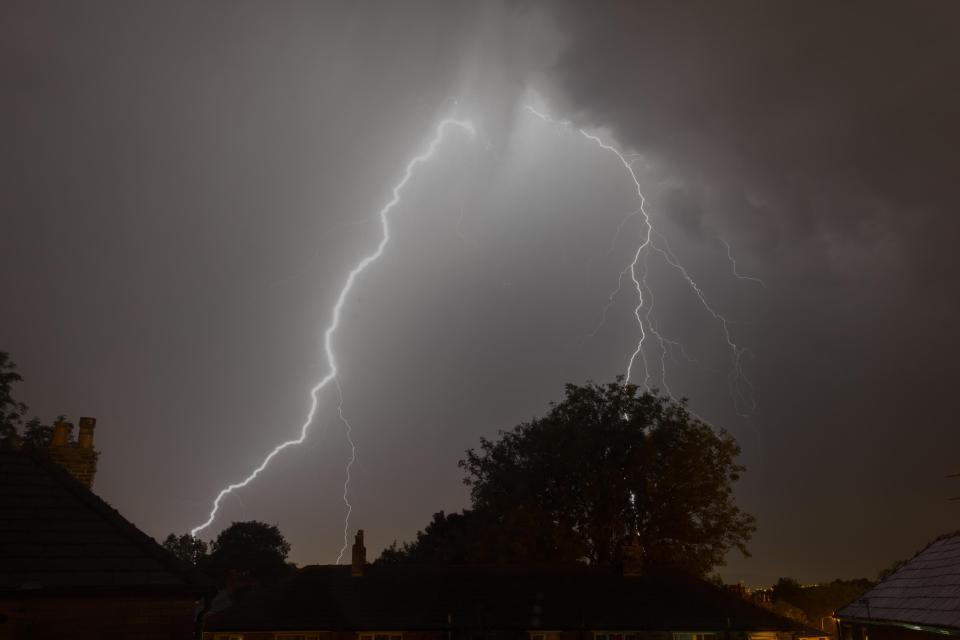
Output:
x,y
78,618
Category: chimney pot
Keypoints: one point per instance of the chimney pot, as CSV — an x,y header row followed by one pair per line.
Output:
x,y
61,434
85,435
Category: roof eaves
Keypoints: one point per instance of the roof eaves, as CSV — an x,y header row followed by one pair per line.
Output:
x,y
193,581
947,631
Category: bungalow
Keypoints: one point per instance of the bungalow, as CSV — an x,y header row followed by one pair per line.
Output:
x,y
920,599
399,602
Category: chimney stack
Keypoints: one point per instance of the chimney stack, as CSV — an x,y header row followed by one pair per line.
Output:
x,y
61,434
78,458
85,437
359,556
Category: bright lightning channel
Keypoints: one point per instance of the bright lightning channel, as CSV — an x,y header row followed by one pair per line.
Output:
x,y
648,242
346,482
330,376
613,294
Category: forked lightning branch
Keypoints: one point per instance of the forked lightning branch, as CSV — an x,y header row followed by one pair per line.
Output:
x,y
650,240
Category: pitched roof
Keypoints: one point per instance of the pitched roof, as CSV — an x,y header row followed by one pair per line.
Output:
x,y
56,536
430,598
923,591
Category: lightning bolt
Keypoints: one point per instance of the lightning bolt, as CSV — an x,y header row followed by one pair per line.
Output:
x,y
648,238
330,356
654,331
646,322
613,294
736,379
346,482
648,242
733,265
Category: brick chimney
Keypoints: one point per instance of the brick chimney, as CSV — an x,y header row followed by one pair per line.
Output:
x,y
61,434
359,556
85,436
78,458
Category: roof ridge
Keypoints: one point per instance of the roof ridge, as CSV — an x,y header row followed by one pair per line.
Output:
x,y
182,571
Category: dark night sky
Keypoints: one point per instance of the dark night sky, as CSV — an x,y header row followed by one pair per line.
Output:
x,y
184,188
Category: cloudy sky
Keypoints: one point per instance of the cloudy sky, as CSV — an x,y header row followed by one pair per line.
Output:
x,y
185,187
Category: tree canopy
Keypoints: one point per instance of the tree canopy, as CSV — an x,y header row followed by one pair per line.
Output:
x,y
243,555
606,465
188,549
250,548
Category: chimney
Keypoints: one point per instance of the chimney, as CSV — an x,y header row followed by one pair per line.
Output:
x,y
61,434
359,556
85,437
79,458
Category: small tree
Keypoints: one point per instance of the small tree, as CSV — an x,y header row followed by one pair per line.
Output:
x,y
191,550
253,550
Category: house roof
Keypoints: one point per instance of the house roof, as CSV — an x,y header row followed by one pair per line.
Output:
x,y
924,591
57,537
401,597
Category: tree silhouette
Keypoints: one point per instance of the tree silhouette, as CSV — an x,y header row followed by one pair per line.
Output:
x,y
14,427
249,550
190,550
11,411
606,466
